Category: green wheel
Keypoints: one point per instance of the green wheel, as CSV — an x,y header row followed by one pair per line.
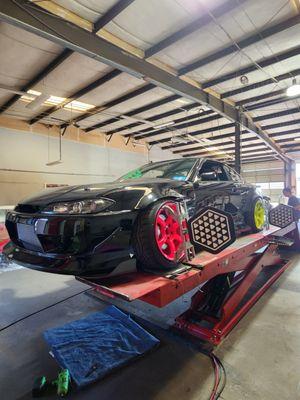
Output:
x,y
257,215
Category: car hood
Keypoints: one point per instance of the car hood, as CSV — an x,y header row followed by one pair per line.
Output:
x,y
129,191
128,195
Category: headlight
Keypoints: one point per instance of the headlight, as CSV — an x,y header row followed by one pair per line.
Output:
x,y
79,207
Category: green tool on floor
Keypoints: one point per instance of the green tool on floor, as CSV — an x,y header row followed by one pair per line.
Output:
x,y
39,386
62,383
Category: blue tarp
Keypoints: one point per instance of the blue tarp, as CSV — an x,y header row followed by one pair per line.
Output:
x,y
94,346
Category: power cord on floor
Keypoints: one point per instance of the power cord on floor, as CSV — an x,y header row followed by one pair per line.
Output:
x,y
219,369
43,309
220,375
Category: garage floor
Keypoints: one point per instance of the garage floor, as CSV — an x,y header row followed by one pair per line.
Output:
x,y
261,355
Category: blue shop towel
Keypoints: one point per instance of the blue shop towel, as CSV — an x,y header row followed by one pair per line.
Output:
x,y
93,346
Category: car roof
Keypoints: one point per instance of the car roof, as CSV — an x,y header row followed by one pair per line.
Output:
x,y
187,158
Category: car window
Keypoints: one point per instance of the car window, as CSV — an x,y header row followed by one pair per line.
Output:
x,y
233,174
177,170
213,167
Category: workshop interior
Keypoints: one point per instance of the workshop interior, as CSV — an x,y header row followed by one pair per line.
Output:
x,y
150,199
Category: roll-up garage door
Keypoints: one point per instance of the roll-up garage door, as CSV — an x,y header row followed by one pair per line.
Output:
x,y
268,176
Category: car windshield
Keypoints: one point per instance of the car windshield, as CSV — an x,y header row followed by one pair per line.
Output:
x,y
177,170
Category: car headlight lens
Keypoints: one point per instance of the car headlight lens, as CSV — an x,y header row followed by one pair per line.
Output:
x,y
79,207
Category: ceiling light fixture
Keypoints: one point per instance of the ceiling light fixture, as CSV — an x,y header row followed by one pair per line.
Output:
x,y
179,139
164,125
38,99
78,106
244,80
293,90
37,102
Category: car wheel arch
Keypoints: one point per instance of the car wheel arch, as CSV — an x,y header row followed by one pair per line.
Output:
x,y
152,198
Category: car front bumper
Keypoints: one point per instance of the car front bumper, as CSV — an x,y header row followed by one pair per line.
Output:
x,y
81,246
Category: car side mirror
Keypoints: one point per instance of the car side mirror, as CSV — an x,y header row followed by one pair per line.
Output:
x,y
208,176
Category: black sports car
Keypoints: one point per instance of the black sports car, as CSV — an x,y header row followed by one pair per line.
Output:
x,y
103,229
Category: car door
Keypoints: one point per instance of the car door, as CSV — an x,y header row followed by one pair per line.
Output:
x,y
213,185
239,189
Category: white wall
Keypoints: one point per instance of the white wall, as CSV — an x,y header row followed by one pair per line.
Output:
x,y
23,158
157,154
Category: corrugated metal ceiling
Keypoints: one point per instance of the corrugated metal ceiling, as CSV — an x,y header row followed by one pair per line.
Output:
x,y
145,24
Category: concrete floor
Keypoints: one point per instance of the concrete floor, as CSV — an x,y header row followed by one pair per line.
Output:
x,y
261,355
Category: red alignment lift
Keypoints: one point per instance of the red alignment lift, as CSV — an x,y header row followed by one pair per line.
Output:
x,y
228,283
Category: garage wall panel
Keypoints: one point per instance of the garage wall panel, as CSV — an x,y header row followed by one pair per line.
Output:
x,y
24,155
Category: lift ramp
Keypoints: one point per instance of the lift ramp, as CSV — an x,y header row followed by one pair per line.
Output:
x,y
160,290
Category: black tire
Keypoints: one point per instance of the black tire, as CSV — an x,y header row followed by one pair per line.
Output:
x,y
144,243
251,214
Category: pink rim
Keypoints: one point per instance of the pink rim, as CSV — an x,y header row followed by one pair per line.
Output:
x,y
168,235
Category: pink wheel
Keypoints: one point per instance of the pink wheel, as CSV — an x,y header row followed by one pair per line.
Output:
x,y
158,240
168,234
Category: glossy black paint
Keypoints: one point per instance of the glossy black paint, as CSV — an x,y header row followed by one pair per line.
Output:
x,y
98,244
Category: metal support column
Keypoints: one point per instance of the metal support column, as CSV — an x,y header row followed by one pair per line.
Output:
x,y
237,145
